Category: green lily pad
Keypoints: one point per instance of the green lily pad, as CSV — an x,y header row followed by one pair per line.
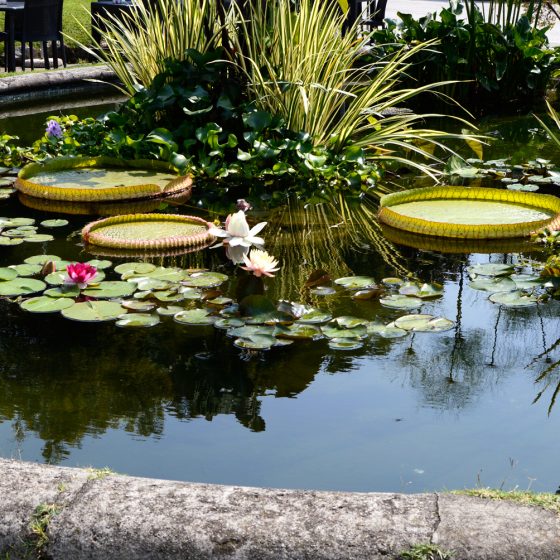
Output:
x,y
369,293
386,331
100,264
168,296
247,331
345,344
138,305
205,279
59,277
138,320
54,223
398,301
422,291
64,291
298,332
347,322
524,188
94,311
21,221
356,282
15,233
526,281
143,283
21,287
315,317
8,273
493,284
41,259
169,310
190,293
392,282
424,323
490,269
220,301
194,317
26,269
228,323
38,238
10,241
45,304
135,268
513,299
271,318
322,291
110,289
255,342
332,331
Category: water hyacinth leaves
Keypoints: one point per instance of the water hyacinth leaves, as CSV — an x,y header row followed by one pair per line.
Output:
x,y
94,311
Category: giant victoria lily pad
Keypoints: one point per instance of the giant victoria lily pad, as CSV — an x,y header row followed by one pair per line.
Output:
x,y
90,179
148,231
469,213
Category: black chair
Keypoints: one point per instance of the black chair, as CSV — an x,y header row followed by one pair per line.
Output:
x,y
368,13
41,22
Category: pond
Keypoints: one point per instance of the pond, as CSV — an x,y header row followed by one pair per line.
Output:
x,y
428,411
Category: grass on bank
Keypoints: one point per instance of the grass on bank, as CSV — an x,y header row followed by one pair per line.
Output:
x,y
547,501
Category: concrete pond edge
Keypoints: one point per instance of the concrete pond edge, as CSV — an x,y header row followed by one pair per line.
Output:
x,y
61,513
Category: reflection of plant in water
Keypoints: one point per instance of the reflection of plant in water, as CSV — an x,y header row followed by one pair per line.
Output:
x,y
550,377
320,237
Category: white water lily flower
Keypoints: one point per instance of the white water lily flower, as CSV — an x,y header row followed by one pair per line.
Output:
x,y
237,232
260,263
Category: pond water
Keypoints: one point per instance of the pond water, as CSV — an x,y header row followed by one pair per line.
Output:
x,y
428,411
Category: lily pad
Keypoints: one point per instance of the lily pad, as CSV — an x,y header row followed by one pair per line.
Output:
x,y
45,304
424,323
347,322
94,311
205,279
54,223
25,269
138,320
21,287
369,293
169,310
315,317
220,301
21,222
255,342
247,331
386,331
392,282
168,296
332,331
422,291
38,238
144,283
490,269
189,293
322,291
397,301
138,305
64,291
345,344
493,284
135,267
59,277
10,241
41,259
110,289
163,273
100,264
196,317
8,273
355,282
298,332
526,281
228,323
513,299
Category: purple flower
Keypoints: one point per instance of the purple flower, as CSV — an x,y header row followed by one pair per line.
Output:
x,y
53,129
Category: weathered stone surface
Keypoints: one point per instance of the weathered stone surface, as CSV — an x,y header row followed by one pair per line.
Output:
x,y
125,518
478,529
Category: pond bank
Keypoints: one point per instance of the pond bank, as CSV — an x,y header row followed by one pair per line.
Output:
x,y
30,87
92,514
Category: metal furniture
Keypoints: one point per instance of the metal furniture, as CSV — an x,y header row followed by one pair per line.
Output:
x,y
102,9
11,10
368,13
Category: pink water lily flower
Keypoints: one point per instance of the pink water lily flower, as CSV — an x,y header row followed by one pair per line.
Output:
x,y
260,263
237,232
80,274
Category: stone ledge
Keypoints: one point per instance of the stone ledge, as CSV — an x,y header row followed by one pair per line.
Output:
x,y
128,518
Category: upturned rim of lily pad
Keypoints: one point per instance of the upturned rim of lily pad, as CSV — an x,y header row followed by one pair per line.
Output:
x,y
118,223
423,226
25,183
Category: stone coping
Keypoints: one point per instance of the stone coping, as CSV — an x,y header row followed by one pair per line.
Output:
x,y
88,514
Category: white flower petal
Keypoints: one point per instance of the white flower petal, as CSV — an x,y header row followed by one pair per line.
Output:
x,y
258,241
255,229
218,232
238,226
235,241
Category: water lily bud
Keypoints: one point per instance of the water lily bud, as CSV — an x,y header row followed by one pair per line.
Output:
x,y
48,268
242,204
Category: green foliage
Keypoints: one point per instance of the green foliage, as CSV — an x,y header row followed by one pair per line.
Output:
x,y
425,552
539,499
508,64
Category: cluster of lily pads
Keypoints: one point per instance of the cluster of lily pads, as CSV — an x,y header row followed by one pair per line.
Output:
x,y
14,231
528,177
143,294
508,287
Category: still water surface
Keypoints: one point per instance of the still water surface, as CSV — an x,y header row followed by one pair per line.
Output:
x,y
426,412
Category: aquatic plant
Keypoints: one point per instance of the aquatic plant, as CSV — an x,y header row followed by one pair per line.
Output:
x,y
53,129
260,263
237,232
80,274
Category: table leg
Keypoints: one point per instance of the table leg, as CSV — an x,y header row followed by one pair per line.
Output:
x,y
10,46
